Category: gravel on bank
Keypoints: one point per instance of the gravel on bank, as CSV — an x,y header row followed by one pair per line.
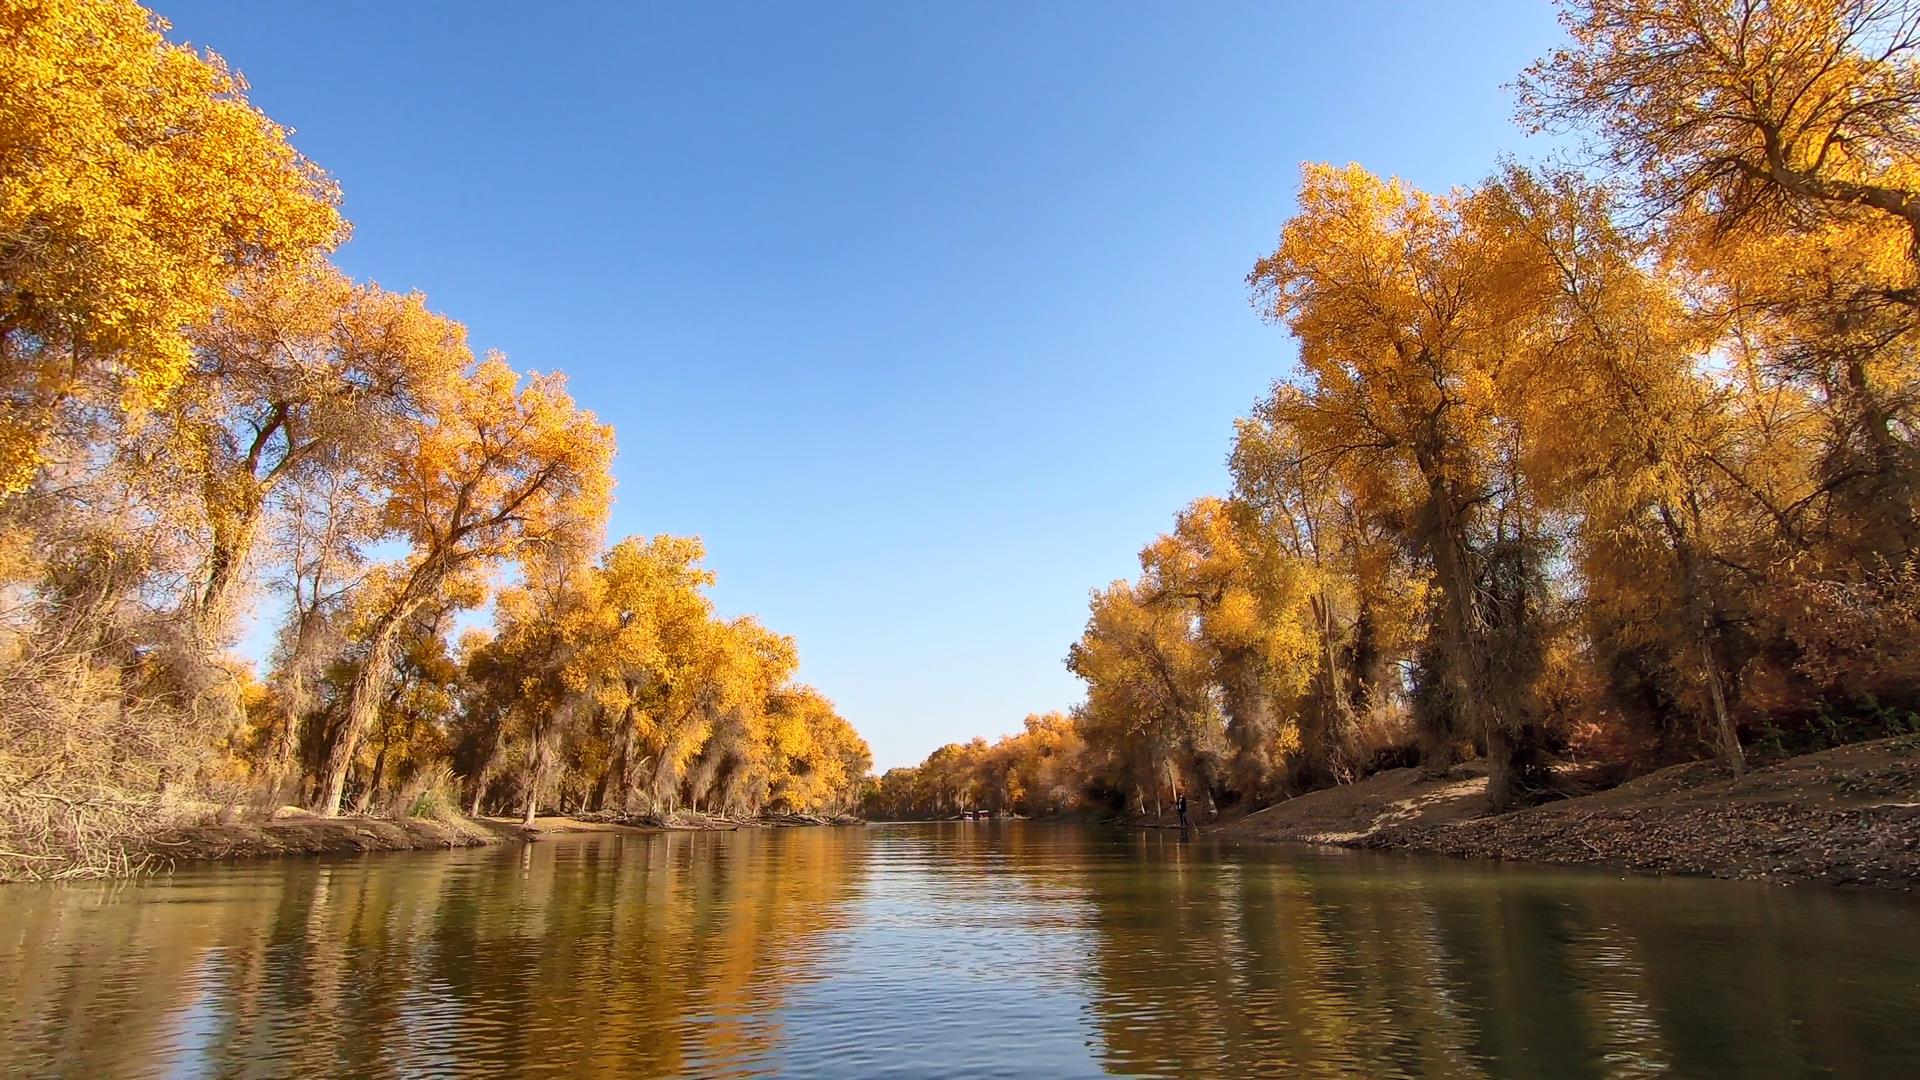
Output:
x,y
1848,816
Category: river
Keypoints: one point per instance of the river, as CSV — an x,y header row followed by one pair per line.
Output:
x,y
975,949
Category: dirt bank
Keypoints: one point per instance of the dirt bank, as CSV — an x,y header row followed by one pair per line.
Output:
x,y
1849,816
302,835
295,833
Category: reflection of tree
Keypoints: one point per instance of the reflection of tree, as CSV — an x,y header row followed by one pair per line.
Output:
x,y
625,955
1325,965
1258,969
682,954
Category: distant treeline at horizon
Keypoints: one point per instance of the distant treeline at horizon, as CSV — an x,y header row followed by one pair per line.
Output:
x,y
1612,466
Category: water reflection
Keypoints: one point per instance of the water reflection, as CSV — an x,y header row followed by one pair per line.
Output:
x,y
984,949
1336,963
662,955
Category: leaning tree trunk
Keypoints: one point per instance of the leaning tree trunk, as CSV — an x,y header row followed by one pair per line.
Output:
x,y
1699,608
1337,735
365,802
1729,738
217,585
280,759
364,699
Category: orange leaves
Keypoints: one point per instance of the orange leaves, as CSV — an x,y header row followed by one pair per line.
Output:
x,y
170,323
495,463
137,181
1740,109
627,661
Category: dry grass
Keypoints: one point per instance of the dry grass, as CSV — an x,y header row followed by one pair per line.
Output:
x,y
88,772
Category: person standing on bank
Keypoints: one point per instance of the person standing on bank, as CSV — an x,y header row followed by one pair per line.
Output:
x,y
1182,804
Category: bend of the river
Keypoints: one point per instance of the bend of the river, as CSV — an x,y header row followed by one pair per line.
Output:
x,y
956,949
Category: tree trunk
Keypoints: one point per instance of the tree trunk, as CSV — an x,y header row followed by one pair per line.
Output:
x,y
1886,510
613,777
1502,784
1337,734
1462,629
1723,724
210,608
536,770
365,801
364,699
1249,730
286,746
1514,766
1699,607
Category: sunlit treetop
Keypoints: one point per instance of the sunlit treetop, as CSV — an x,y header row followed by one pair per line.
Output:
x,y
135,179
1758,110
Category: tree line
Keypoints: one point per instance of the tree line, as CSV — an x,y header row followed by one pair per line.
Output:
x,y
201,409
1609,461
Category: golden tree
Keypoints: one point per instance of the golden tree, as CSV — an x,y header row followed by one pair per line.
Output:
x,y
1149,712
135,181
656,618
496,466
1414,340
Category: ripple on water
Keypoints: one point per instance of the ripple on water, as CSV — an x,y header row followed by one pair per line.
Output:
x,y
950,949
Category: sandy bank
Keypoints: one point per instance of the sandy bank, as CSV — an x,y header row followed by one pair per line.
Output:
x,y
300,834
1849,816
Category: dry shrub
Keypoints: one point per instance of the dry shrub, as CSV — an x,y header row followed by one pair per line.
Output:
x,y
1844,666
1863,635
88,770
431,794
1384,739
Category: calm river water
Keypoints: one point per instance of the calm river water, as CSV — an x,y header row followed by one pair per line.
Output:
x,y
952,949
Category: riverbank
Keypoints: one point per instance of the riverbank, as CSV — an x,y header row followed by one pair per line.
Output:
x,y
1849,816
294,833
303,835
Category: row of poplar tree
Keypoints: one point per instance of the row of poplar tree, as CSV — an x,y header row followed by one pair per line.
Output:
x,y
198,406
1606,461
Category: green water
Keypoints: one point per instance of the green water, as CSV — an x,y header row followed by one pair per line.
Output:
x,y
954,949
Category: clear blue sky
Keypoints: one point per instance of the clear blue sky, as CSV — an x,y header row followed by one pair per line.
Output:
x,y
925,317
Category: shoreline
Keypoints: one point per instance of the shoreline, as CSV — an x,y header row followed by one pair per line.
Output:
x,y
1848,816
299,836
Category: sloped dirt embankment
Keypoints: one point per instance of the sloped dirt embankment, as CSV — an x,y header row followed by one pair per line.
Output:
x,y
1849,816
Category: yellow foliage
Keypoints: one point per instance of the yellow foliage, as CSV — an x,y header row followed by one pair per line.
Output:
x,y
135,181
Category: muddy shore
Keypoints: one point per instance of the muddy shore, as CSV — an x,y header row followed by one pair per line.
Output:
x,y
307,835
1849,816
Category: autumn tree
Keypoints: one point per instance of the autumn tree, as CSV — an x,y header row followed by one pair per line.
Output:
x,y
496,465
656,620
744,665
1781,143
818,760
1769,115
1776,146
298,372
1248,604
1314,524
1413,342
1150,712
139,181
325,518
